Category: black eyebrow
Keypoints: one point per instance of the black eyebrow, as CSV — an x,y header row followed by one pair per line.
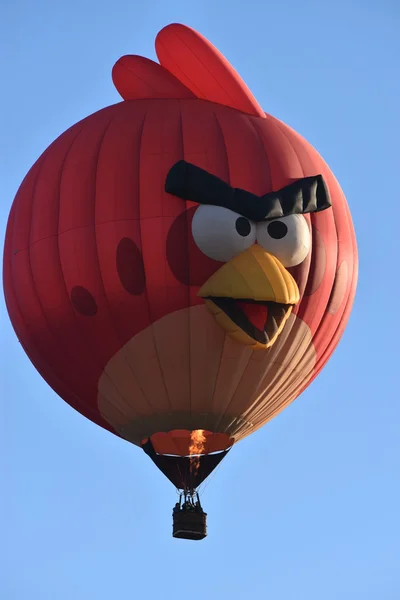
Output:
x,y
306,195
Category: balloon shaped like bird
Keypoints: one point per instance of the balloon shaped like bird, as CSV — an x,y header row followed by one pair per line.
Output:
x,y
180,266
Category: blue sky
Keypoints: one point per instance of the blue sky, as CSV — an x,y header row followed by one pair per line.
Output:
x,y
306,508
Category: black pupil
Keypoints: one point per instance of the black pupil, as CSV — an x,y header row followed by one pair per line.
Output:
x,y
277,230
243,226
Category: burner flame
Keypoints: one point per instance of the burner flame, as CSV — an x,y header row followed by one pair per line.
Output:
x,y
196,448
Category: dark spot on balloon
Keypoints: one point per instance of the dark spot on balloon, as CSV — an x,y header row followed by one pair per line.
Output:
x,y
130,267
339,288
83,301
186,261
318,263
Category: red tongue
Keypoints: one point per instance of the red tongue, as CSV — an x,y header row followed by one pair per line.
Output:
x,y
256,313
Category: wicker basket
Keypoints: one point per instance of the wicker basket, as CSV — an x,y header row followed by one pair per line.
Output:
x,y
189,524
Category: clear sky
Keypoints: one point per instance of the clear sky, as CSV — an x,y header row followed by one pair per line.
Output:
x,y
308,507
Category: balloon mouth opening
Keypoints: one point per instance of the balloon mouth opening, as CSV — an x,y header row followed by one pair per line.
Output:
x,y
262,321
187,457
188,443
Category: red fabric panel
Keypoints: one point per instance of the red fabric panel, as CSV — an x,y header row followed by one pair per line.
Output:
x,y
161,146
336,230
35,305
117,215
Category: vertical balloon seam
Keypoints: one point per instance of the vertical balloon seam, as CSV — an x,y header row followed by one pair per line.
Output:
x,y
186,245
301,386
352,249
324,323
268,401
40,163
221,415
312,159
268,398
30,244
328,323
289,324
35,292
212,407
186,204
336,337
92,229
52,380
339,330
111,318
305,357
250,357
132,366
286,396
85,342
131,408
255,124
208,412
81,405
215,416
288,327
292,141
295,379
267,412
12,299
162,356
151,326
296,353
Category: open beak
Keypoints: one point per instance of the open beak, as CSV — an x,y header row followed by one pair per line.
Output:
x,y
251,297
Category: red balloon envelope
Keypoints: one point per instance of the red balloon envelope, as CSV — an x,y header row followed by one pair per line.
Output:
x,y
180,261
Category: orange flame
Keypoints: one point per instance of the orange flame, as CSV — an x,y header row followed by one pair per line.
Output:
x,y
197,443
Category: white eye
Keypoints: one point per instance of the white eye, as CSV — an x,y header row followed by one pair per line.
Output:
x,y
288,239
221,233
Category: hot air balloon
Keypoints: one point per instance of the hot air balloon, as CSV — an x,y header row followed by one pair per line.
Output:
x,y
181,265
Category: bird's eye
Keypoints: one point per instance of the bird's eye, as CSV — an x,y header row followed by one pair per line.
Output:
x,y
288,239
277,229
243,226
221,233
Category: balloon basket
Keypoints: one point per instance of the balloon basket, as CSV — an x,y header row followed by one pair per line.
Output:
x,y
189,521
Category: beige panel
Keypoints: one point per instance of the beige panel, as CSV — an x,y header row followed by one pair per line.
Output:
x,y
172,342
119,383
206,347
193,376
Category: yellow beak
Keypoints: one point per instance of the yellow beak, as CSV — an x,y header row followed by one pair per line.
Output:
x,y
257,276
